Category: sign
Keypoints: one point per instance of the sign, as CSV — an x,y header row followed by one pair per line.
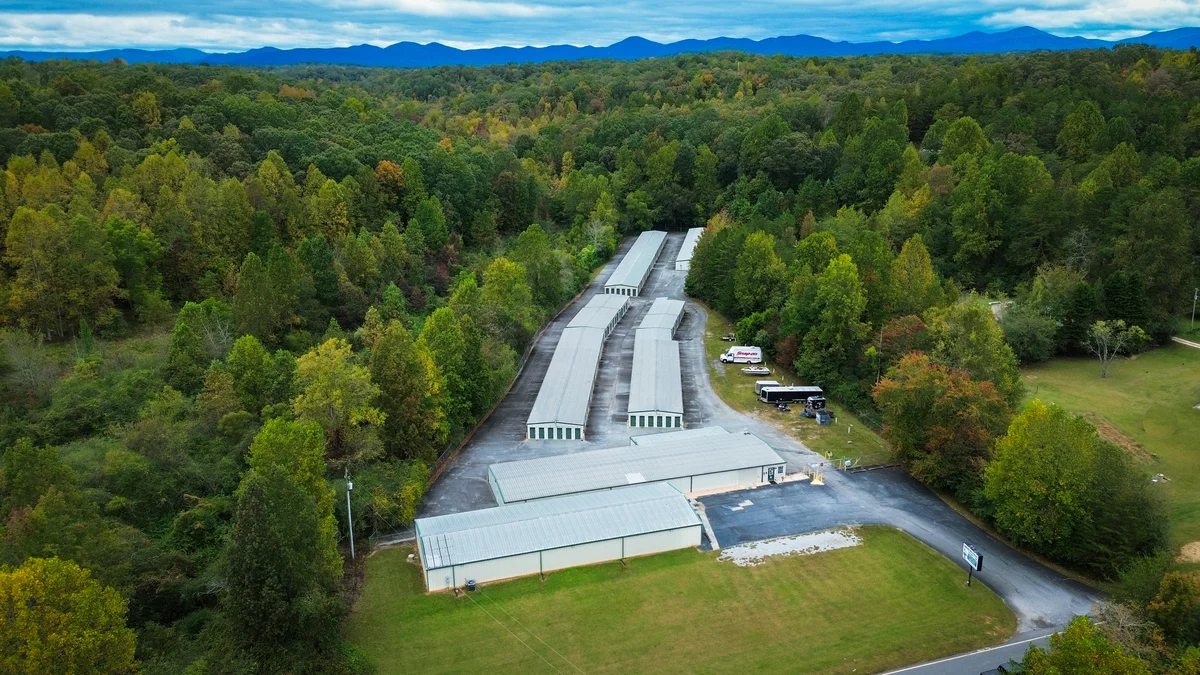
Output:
x,y
973,558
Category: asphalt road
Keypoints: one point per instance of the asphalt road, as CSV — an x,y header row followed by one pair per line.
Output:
x,y
1041,598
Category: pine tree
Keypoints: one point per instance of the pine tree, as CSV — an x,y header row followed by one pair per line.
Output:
x,y
187,360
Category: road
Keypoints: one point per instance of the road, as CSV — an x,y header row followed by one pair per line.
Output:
x,y
1041,598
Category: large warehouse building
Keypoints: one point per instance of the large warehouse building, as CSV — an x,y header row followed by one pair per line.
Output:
x,y
631,274
655,383
683,261
551,534
691,464
560,411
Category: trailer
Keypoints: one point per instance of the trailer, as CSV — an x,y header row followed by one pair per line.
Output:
x,y
759,384
743,354
787,394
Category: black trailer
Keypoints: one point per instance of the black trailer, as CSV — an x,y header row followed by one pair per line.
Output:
x,y
787,394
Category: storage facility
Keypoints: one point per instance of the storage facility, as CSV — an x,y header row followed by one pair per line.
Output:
x,y
655,383
634,269
683,261
602,311
552,534
690,464
560,411
646,440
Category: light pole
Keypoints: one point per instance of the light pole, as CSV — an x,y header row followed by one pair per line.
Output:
x,y
349,515
1195,294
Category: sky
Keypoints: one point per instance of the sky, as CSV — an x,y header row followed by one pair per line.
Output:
x,y
235,25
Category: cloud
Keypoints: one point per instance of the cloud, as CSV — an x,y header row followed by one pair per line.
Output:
x,y
225,25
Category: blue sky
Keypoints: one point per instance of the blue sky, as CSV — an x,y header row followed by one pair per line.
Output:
x,y
224,25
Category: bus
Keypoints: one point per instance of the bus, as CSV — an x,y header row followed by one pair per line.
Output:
x,y
787,394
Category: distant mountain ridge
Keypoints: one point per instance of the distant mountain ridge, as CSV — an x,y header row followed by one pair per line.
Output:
x,y
414,55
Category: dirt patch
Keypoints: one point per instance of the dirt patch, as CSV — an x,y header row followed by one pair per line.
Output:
x,y
754,553
1113,435
1190,553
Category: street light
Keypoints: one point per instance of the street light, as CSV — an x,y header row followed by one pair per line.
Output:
x,y
349,515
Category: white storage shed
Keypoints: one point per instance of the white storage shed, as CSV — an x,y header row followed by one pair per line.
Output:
x,y
634,268
646,440
692,464
683,261
561,409
602,312
662,319
551,534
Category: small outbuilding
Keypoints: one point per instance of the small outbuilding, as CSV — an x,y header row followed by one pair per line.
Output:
x,y
692,464
551,534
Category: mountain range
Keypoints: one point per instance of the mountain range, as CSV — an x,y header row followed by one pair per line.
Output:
x,y
414,55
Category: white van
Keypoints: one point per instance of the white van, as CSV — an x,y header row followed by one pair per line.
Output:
x,y
743,355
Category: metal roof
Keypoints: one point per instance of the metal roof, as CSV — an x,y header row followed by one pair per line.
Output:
x,y
689,244
655,383
516,529
616,467
664,313
566,391
674,436
636,264
602,311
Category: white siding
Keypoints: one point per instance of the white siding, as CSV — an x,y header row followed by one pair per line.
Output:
x,y
658,542
714,481
748,477
583,554
683,266
684,485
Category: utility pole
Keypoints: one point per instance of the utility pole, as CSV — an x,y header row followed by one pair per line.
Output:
x,y
349,515
1195,294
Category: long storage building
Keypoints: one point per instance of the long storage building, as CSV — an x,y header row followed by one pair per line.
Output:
x,y
691,464
655,384
634,269
551,534
560,411
683,261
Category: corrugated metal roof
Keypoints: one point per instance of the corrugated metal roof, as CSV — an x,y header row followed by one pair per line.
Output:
x,y
612,467
663,313
689,244
566,390
655,383
635,266
515,529
600,311
675,436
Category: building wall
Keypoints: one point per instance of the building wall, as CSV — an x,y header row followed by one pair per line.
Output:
x,y
714,481
584,554
529,564
683,265
670,420
658,542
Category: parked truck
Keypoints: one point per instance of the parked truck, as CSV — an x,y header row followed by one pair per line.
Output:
x,y
743,354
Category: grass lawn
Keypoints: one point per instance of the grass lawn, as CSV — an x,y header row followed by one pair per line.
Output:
x,y
737,389
889,602
1148,400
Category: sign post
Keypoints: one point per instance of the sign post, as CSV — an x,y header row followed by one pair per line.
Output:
x,y
974,560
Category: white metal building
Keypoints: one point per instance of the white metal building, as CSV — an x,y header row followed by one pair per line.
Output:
x,y
646,440
655,383
551,534
690,464
560,411
683,261
634,269
602,311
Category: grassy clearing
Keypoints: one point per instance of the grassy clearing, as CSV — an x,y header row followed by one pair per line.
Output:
x,y
737,390
1147,404
887,603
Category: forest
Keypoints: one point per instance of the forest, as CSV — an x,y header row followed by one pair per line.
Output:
x,y
225,290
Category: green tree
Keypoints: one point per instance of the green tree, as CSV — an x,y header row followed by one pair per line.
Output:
x,y
430,220
1108,339
506,305
27,472
442,336
253,302
1176,608
915,286
543,268
54,618
1029,333
410,394
966,337
759,275
1081,648
834,342
278,594
260,379
187,360
963,136
337,393
1080,130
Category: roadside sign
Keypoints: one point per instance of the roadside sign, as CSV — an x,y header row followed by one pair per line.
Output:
x,y
973,558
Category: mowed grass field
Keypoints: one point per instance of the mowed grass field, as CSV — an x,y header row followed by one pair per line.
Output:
x,y
1148,400
889,602
737,389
